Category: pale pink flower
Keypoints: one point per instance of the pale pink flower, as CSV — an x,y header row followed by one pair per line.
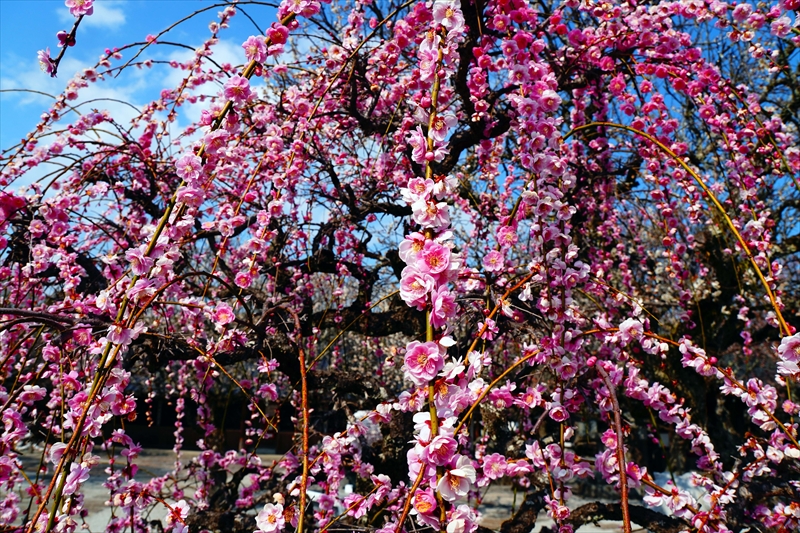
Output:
x,y
493,261
418,189
444,307
457,482
494,466
140,264
80,7
440,451
448,14
442,124
255,49
237,89
412,244
176,519
223,314
77,475
415,286
189,167
431,214
270,519
45,63
423,360
433,259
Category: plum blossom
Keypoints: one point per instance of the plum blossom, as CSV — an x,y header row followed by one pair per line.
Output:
x,y
176,519
237,90
433,259
493,261
423,360
189,167
255,49
270,519
789,354
444,306
78,474
456,482
80,7
440,450
415,286
448,14
441,126
45,63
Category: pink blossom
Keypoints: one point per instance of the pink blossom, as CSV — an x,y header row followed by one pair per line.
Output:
x,y
433,259
80,7
237,90
440,450
191,196
493,261
415,286
223,314
189,167
444,307
494,466
423,360
789,354
442,124
431,214
630,329
140,264
64,39
418,189
77,475
255,49
411,245
277,33
45,63
424,502
457,481
448,14
270,519
176,519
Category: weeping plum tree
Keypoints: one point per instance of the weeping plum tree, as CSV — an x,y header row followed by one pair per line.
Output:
x,y
448,244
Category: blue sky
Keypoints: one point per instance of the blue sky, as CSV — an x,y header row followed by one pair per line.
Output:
x,y
27,26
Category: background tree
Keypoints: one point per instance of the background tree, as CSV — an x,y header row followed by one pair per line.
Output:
x,y
532,242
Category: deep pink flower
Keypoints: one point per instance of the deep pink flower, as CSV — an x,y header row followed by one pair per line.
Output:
x,y
277,33
423,360
223,314
64,40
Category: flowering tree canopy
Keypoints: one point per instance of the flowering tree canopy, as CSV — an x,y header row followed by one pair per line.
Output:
x,y
446,243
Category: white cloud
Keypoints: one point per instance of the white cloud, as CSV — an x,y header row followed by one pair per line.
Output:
x,y
107,14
